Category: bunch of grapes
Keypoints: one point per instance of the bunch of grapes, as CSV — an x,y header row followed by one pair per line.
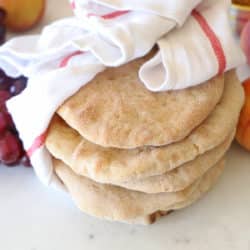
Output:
x,y
11,148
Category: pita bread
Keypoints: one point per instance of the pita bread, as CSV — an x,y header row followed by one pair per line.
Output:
x,y
183,176
115,203
150,219
110,165
116,110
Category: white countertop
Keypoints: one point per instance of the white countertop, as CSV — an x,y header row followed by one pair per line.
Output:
x,y
33,217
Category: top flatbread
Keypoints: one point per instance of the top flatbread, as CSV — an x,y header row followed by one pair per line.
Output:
x,y
111,165
116,110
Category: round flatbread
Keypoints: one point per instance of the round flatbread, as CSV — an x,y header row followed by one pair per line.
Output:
x,y
110,165
183,176
116,110
150,219
115,203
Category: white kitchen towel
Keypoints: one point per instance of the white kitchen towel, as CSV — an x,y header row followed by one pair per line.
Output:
x,y
193,37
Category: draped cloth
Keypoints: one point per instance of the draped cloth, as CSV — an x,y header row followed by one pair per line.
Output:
x,y
193,36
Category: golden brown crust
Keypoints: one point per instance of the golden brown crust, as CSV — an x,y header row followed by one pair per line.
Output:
x,y
111,165
115,203
183,176
169,181
116,110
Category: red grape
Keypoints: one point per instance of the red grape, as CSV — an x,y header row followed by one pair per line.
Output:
x,y
2,77
5,121
5,81
10,149
18,86
4,96
25,161
3,108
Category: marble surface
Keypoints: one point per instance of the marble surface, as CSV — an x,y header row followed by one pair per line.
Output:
x,y
33,217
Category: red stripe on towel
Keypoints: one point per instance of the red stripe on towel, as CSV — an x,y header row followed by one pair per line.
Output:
x,y
38,142
66,60
111,15
214,40
73,5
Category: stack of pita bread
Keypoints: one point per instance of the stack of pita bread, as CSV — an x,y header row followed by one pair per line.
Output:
x,y
125,153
